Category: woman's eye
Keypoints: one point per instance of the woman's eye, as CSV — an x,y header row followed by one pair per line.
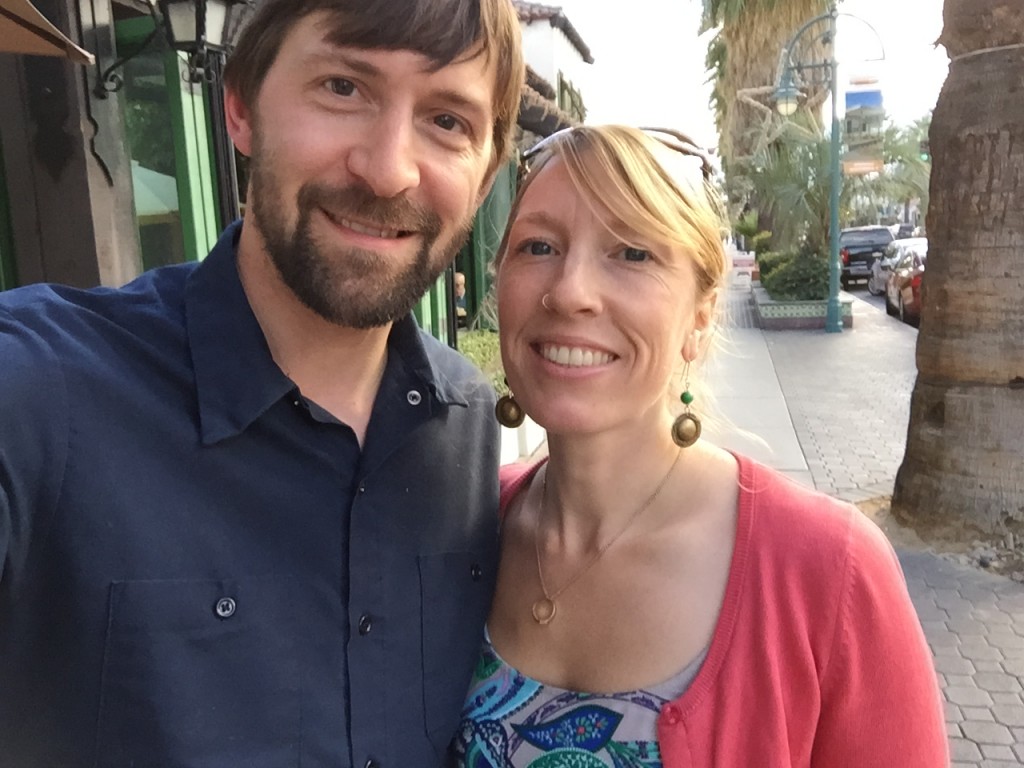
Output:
x,y
446,122
635,254
536,248
341,86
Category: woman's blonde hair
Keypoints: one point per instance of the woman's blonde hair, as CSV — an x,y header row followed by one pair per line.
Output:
x,y
652,189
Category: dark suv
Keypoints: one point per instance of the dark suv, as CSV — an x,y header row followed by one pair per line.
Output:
x,y
858,249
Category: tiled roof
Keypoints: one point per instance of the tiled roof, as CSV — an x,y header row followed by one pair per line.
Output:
x,y
540,115
531,12
539,84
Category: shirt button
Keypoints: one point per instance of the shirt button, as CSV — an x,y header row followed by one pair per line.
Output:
x,y
365,624
362,488
414,397
225,608
671,714
476,572
371,763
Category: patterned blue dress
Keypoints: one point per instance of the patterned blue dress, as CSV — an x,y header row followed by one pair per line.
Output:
x,y
513,721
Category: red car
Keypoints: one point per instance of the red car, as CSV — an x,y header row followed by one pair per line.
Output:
x,y
903,288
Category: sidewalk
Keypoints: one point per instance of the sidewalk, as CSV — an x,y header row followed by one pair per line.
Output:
x,y
831,411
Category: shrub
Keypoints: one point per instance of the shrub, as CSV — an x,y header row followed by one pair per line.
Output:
x,y
484,351
769,261
761,242
802,277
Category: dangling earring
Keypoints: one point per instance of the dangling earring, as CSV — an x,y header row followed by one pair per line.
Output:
x,y
686,428
508,411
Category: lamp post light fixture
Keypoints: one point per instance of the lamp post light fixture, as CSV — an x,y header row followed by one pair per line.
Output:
x,y
787,95
786,100
197,28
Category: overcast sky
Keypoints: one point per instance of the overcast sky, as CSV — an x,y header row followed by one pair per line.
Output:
x,y
649,60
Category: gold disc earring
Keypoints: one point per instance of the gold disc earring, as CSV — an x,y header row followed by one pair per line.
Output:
x,y
508,411
686,428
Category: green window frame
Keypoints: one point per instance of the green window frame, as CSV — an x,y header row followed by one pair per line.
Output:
x,y
193,150
431,312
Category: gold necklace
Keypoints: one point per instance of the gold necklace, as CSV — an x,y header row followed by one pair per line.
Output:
x,y
544,609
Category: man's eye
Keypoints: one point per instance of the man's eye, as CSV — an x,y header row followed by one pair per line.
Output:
x,y
636,254
341,86
446,122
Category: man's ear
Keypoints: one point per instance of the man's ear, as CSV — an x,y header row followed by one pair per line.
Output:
x,y
239,121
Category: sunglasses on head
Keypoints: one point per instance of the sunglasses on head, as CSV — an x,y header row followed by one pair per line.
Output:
x,y
674,140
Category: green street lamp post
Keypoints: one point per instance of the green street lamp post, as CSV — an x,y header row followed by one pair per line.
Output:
x,y
787,97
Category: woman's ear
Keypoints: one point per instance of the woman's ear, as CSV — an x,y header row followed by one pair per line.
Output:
x,y
706,312
704,316
692,346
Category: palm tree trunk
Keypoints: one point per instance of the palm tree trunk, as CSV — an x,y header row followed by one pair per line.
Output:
x,y
964,462
754,33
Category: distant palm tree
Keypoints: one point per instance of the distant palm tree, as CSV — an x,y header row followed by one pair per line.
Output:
x,y
903,179
964,461
792,178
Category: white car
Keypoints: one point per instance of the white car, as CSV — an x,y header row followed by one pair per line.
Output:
x,y
892,254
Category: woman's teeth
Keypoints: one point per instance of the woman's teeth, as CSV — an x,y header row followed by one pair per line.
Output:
x,y
574,357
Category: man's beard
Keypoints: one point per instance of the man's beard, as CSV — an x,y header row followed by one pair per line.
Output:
x,y
348,286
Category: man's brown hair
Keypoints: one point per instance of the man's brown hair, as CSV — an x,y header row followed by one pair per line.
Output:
x,y
444,31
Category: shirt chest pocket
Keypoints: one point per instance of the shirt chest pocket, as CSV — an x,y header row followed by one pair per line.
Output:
x,y
455,591
200,673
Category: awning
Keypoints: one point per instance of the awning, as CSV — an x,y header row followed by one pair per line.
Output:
x,y
23,29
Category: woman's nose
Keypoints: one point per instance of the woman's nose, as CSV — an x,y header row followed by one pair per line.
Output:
x,y
575,287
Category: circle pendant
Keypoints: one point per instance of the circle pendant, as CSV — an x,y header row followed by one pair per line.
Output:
x,y
544,611
686,430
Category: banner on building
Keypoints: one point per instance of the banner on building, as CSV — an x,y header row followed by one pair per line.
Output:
x,y
865,124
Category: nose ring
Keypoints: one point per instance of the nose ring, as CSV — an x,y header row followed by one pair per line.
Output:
x,y
544,301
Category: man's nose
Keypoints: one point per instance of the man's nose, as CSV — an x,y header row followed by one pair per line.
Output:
x,y
386,157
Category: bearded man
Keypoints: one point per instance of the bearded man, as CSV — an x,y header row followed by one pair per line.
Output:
x,y
248,508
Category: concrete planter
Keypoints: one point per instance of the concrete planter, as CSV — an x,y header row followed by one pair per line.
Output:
x,y
795,315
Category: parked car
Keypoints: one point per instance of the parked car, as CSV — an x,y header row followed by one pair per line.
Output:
x,y
859,247
903,288
890,256
901,230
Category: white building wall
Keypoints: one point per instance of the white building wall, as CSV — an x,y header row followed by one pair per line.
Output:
x,y
539,49
548,51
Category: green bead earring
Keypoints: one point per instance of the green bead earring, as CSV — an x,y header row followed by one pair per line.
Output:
x,y
686,428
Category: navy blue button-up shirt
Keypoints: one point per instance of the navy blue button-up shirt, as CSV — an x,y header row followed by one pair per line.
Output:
x,y
200,567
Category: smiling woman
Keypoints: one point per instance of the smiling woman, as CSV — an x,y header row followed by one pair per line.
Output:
x,y
646,575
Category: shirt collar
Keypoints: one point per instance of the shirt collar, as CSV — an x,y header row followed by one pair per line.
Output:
x,y
237,380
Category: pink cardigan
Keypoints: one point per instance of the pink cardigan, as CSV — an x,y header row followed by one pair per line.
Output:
x,y
818,658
